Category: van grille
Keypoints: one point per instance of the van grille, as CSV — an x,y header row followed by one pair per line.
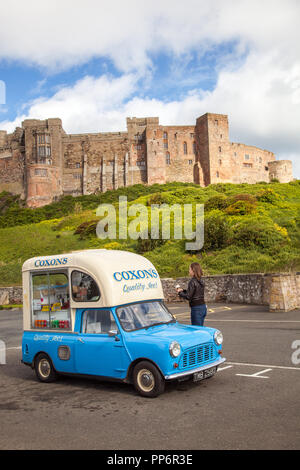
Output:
x,y
198,355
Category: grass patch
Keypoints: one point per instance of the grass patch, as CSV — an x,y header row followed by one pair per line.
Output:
x,y
248,228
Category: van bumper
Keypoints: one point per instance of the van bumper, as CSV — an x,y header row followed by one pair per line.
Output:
x,y
186,373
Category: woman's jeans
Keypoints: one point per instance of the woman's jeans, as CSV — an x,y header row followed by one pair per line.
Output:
x,y
198,313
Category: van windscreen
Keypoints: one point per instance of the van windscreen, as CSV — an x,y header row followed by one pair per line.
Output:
x,y
143,315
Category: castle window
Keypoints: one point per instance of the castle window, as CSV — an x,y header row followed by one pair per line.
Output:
x,y
77,176
266,168
77,165
43,147
165,145
217,174
216,122
43,139
41,151
165,135
220,162
247,165
221,135
194,147
247,157
191,135
185,148
175,135
168,159
220,149
235,154
190,162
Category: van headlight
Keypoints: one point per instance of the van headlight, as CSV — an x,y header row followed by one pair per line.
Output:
x,y
174,349
218,337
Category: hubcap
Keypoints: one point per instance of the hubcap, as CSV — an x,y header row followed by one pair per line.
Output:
x,y
44,368
145,380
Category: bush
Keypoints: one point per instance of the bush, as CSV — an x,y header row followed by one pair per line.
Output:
x,y
241,208
260,232
216,231
216,202
86,229
269,196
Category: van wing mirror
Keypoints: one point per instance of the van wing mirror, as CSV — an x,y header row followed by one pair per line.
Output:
x,y
114,333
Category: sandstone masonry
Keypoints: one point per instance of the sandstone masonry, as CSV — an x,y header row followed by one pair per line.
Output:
x,y
41,162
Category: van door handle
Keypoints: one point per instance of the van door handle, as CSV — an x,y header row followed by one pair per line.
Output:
x,y
81,340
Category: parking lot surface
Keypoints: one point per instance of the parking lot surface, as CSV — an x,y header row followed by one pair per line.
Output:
x,y
251,403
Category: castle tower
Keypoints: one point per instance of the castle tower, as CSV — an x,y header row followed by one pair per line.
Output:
x,y
43,160
139,164
213,148
281,170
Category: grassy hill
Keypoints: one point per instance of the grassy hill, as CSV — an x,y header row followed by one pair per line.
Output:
x,y
248,228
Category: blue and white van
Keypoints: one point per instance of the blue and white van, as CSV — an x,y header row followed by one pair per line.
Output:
x,y
101,313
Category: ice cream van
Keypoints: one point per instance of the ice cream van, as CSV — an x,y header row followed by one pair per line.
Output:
x,y
101,313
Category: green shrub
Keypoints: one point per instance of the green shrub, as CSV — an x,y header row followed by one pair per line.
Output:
x,y
260,232
217,231
149,244
216,202
241,208
269,196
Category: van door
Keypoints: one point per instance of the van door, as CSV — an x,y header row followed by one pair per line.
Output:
x,y
98,353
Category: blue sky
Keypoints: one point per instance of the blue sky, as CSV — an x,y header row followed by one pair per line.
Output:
x,y
93,64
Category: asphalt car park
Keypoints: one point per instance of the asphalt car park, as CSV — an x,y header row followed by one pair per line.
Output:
x,y
251,403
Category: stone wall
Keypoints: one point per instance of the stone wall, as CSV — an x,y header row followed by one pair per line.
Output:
x,y
11,296
280,291
236,288
285,292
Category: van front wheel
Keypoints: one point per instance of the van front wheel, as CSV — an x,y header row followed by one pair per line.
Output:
x,y
147,380
44,369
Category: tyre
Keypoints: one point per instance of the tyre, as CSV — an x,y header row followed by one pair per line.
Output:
x,y
44,369
147,380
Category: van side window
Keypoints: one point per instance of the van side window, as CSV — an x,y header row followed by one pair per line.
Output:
x,y
50,301
84,288
98,321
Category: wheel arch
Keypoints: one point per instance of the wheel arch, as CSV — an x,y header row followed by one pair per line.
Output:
x,y
37,354
129,376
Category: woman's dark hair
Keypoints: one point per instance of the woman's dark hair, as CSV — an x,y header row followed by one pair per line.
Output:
x,y
197,270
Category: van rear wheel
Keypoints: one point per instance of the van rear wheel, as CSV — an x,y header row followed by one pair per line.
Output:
x,y
147,380
44,369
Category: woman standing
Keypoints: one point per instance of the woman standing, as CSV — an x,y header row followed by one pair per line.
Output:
x,y
195,295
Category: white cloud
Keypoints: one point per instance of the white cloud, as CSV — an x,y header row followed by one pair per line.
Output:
x,y
62,33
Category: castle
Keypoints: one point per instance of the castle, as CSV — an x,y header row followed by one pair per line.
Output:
x,y
41,162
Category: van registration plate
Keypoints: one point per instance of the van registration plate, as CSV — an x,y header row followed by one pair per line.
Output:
x,y
204,374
